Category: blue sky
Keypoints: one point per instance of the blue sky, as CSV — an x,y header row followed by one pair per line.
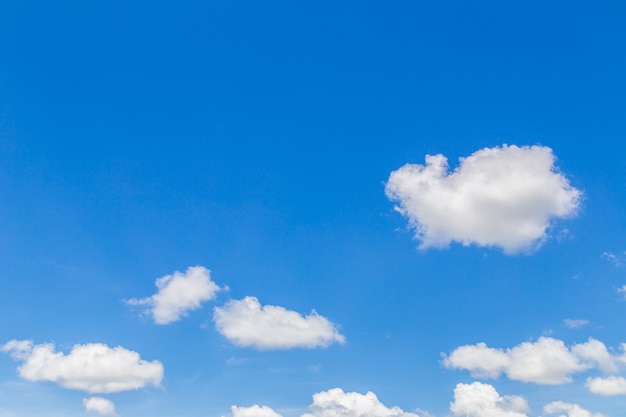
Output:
x,y
252,157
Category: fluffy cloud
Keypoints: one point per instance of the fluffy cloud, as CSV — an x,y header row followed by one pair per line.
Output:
x,y
92,367
247,323
99,405
595,353
178,294
254,411
482,400
575,323
546,361
470,400
481,360
613,385
335,402
504,196
569,410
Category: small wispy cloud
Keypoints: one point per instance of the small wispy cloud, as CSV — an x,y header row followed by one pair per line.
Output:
x,y
575,323
616,259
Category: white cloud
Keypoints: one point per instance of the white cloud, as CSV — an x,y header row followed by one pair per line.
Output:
x,y
178,294
254,411
247,323
569,410
481,360
596,353
546,361
18,349
613,385
622,291
99,405
92,367
575,323
504,196
616,259
482,400
335,402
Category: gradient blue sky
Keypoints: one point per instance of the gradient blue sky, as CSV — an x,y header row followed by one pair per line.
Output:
x,y
256,139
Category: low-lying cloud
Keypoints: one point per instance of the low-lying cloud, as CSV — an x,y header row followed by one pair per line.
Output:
x,y
547,361
470,400
92,367
482,400
569,410
336,402
253,411
100,406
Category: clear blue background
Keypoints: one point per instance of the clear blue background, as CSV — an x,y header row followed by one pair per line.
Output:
x,y
254,138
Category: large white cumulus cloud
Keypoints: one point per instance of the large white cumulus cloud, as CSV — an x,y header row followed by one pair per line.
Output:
x,y
482,400
247,323
92,367
178,294
546,361
503,196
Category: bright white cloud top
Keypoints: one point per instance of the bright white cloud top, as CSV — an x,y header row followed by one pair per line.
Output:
x,y
609,386
178,294
569,410
253,411
470,400
247,323
332,403
92,367
99,405
547,361
482,400
336,402
503,196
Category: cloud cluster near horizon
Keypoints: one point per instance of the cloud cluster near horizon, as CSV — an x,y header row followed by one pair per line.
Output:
x,y
470,400
547,361
504,197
